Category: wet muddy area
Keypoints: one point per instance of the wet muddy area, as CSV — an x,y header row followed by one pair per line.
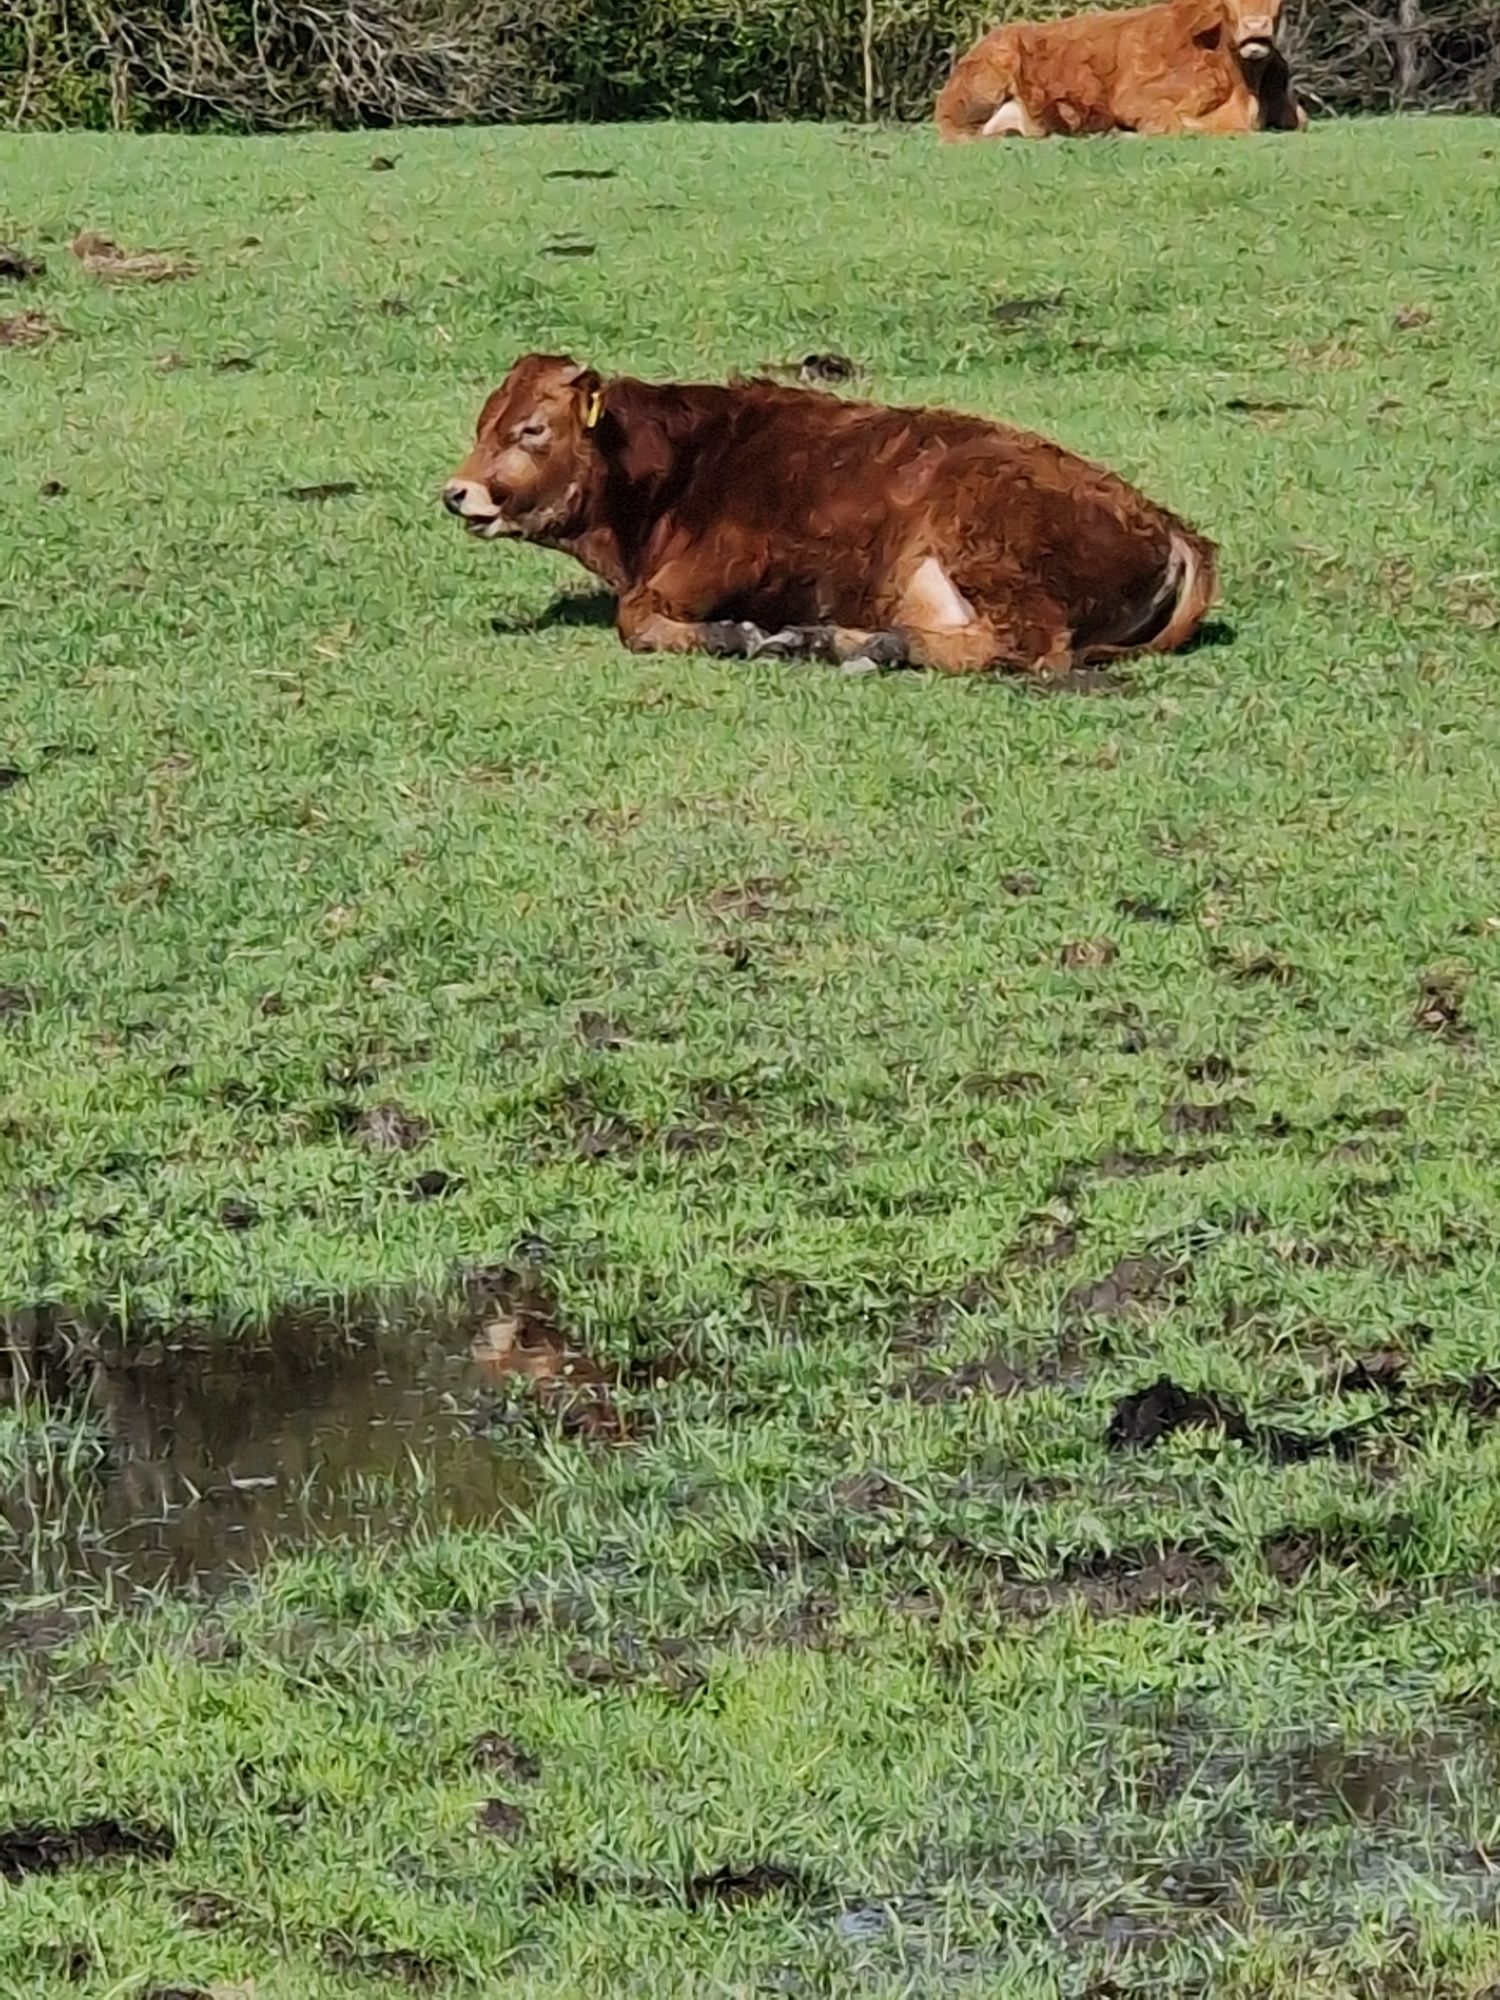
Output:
x,y
179,1458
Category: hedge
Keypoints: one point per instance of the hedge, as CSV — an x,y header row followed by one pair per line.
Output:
x,y
274,65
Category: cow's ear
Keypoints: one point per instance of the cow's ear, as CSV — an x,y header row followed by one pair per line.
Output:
x,y
587,385
1209,37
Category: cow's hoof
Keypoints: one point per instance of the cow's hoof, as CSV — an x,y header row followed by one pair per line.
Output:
x,y
783,645
729,640
880,653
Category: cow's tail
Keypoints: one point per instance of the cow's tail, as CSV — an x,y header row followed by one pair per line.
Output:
x,y
981,82
1194,571
1170,616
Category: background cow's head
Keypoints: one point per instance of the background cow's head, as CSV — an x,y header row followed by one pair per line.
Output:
x,y
1252,27
526,473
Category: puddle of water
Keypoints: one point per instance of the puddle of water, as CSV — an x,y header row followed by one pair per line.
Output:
x,y
181,1460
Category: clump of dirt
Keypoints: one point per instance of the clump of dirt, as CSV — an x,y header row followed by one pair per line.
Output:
x,y
991,1376
1146,1416
1212,1068
432,1184
501,1820
1119,1583
1188,1119
323,489
103,258
1008,314
571,249
751,901
16,268
579,174
1146,910
816,369
382,163
1440,1008
31,329
753,1884
600,1031
411,1968
386,1128
494,1752
1260,965
1136,1284
1088,954
45,1850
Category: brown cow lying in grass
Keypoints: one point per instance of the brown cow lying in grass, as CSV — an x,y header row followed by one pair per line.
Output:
x,y
756,519
1186,66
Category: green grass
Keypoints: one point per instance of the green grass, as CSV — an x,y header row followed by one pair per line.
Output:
x,y
277,748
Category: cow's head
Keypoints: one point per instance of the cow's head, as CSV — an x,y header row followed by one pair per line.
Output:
x,y
1252,28
525,476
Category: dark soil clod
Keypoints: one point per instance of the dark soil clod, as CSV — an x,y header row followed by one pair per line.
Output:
x,y
598,1031
44,1850
1185,1119
1145,1417
234,364
1136,1284
30,329
386,1128
1088,954
1249,406
383,163
734,1886
991,1376
15,1003
238,1215
18,269
493,1752
1440,1009
500,1819
1144,910
11,775
569,249
816,368
1211,1068
432,1185
323,489
1008,313
579,174
51,489
1261,965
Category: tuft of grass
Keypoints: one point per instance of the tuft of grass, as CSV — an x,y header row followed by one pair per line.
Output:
x,y
864,1665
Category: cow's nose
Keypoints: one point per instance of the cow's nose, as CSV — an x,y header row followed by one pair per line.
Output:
x,y
454,494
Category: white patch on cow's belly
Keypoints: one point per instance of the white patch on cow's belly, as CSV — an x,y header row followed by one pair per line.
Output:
x,y
933,601
1009,119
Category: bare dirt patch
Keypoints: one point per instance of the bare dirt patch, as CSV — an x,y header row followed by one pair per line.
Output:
x,y
45,1850
103,258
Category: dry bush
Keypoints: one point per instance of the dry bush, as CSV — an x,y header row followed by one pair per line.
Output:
x,y
272,65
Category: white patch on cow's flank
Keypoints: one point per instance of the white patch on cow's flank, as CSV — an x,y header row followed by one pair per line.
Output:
x,y
1009,119
934,602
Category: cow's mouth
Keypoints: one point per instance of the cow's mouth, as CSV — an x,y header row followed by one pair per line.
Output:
x,y
1258,49
489,527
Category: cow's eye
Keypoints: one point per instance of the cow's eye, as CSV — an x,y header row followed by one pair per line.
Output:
x,y
533,433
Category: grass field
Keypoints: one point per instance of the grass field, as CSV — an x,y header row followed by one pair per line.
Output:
x,y
873,1082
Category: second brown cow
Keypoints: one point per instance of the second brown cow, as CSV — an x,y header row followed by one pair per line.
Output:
x,y
756,520
1183,66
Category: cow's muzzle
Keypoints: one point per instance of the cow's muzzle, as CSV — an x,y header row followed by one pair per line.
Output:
x,y
470,503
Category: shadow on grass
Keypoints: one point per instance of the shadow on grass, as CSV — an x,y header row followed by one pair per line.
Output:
x,y
596,611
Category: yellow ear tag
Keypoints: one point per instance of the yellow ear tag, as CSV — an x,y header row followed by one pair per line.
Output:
x,y
595,410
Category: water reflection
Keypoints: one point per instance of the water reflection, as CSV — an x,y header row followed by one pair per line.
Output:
x,y
177,1461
